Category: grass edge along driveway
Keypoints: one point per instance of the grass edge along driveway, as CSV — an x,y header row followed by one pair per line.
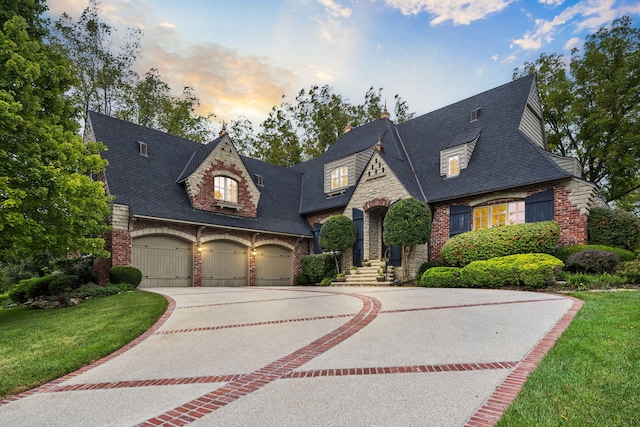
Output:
x,y
37,346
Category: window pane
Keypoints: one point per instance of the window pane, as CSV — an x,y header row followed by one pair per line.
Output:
x,y
454,166
480,218
516,213
498,215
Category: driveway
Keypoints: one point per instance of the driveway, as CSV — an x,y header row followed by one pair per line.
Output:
x,y
307,356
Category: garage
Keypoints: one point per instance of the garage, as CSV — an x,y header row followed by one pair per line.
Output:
x,y
225,263
274,266
165,261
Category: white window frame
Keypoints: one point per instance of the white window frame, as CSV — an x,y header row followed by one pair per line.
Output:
x,y
339,177
225,188
513,214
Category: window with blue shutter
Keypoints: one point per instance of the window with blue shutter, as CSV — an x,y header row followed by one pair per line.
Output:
x,y
459,220
539,207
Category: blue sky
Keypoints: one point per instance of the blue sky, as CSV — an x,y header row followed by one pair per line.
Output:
x,y
241,56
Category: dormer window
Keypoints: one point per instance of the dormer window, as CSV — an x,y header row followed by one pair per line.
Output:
x,y
142,149
339,177
259,180
225,189
474,115
453,166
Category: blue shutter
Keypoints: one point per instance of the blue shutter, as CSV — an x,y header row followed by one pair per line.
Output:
x,y
394,256
539,207
358,247
459,220
316,238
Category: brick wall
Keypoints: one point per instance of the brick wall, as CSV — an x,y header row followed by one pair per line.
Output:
x,y
572,200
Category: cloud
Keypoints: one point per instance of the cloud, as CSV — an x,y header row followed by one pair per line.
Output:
x,y
335,10
228,84
460,12
585,15
573,42
551,2
331,28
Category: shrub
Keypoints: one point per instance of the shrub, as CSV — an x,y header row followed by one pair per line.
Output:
x,y
337,234
317,267
125,274
616,228
91,290
425,266
585,282
80,266
63,284
302,279
630,270
440,277
564,251
19,293
537,237
32,288
532,270
327,281
593,261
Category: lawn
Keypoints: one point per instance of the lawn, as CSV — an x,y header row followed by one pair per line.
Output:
x,y
37,346
591,376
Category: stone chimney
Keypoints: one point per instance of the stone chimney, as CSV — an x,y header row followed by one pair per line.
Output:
x,y
223,131
347,128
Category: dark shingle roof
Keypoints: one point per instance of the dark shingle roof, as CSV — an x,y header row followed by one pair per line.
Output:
x,y
148,184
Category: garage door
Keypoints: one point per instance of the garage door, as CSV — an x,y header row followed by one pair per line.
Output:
x,y
274,266
165,261
225,263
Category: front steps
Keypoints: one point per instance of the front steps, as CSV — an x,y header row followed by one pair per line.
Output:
x,y
367,276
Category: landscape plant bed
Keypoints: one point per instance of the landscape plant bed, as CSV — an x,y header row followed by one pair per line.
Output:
x,y
37,346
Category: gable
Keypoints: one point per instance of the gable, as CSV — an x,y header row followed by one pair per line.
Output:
x,y
531,123
222,165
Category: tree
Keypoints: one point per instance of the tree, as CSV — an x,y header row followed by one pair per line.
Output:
x,y
407,223
48,202
337,234
302,130
592,110
31,10
103,74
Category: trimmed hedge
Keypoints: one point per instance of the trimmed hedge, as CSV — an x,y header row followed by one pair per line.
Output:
x,y
531,270
564,252
125,274
426,266
317,267
630,270
614,227
441,277
537,237
593,261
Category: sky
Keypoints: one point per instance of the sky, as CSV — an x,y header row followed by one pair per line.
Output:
x,y
243,56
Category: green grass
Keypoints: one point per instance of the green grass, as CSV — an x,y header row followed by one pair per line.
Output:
x,y
37,346
591,376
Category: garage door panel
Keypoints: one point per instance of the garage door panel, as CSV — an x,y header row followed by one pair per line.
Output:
x,y
225,263
165,261
274,266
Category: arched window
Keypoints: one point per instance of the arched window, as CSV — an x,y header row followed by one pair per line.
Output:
x,y
339,177
226,189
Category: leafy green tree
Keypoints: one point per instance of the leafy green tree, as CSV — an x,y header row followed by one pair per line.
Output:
x,y
48,202
407,223
31,10
591,110
337,234
103,74
278,142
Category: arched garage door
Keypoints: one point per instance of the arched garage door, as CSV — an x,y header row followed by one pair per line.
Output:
x,y
165,261
274,266
225,263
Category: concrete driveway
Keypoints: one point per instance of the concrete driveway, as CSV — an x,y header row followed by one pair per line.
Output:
x,y
308,356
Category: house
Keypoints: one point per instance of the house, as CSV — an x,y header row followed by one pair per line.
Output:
x,y
190,214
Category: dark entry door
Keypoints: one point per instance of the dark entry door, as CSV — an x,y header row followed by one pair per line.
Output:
x,y
358,247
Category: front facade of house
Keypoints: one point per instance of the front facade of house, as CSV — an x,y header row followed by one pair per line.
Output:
x,y
189,214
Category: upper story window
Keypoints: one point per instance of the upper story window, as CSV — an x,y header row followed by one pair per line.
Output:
x,y
497,215
225,188
453,166
142,148
339,177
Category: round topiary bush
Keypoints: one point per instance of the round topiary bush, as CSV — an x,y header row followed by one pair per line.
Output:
x,y
537,237
125,274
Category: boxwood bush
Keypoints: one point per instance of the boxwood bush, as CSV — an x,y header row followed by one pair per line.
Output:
x,y
441,277
565,251
537,237
531,270
593,261
630,270
317,267
125,274
51,284
614,227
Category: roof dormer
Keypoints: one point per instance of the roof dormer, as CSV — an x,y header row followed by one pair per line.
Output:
x,y
456,158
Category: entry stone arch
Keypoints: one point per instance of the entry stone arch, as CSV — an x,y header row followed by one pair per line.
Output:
x,y
377,202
